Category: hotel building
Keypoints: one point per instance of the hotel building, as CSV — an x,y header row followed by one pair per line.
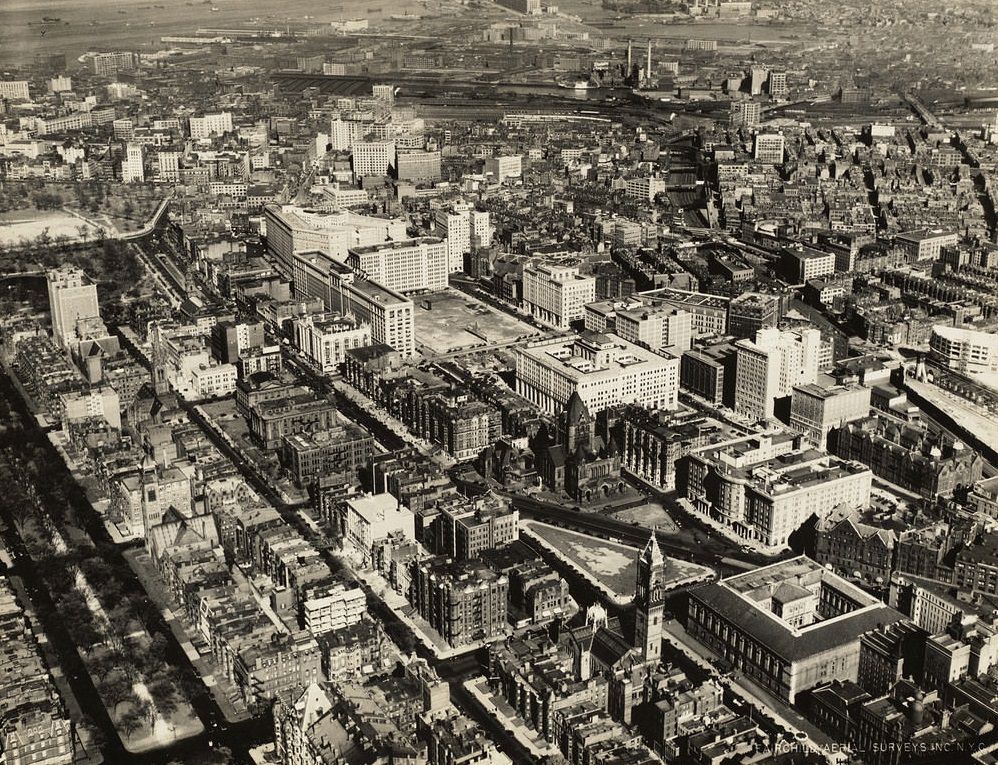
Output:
x,y
765,487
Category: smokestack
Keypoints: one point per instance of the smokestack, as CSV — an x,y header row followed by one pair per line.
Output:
x,y
628,57
648,65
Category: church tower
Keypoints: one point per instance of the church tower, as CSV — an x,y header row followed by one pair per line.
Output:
x,y
649,600
577,424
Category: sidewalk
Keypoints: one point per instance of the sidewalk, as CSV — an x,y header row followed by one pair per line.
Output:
x,y
58,440
616,598
218,685
726,532
91,754
398,427
529,739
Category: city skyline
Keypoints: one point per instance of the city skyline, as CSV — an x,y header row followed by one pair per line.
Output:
x,y
507,382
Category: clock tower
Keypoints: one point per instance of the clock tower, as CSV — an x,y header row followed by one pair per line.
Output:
x,y
649,599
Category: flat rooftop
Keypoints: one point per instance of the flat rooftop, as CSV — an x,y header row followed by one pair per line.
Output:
x,y
672,295
574,357
400,244
738,599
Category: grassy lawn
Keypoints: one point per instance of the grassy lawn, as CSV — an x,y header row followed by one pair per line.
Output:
x,y
612,564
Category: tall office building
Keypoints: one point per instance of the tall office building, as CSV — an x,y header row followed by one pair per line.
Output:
x,y
658,328
758,80
815,410
389,313
745,113
14,90
769,148
752,311
770,366
168,166
464,228
123,129
414,165
373,158
410,265
503,167
109,64
384,93
778,86
325,338
72,299
557,295
292,229
132,170
211,124
61,84
343,133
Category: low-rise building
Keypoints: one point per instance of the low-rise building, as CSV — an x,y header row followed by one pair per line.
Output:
x,y
469,527
272,420
788,626
339,450
652,443
366,519
351,652
908,455
853,548
331,606
35,728
539,594
324,339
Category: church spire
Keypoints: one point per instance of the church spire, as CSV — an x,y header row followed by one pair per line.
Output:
x,y
652,553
